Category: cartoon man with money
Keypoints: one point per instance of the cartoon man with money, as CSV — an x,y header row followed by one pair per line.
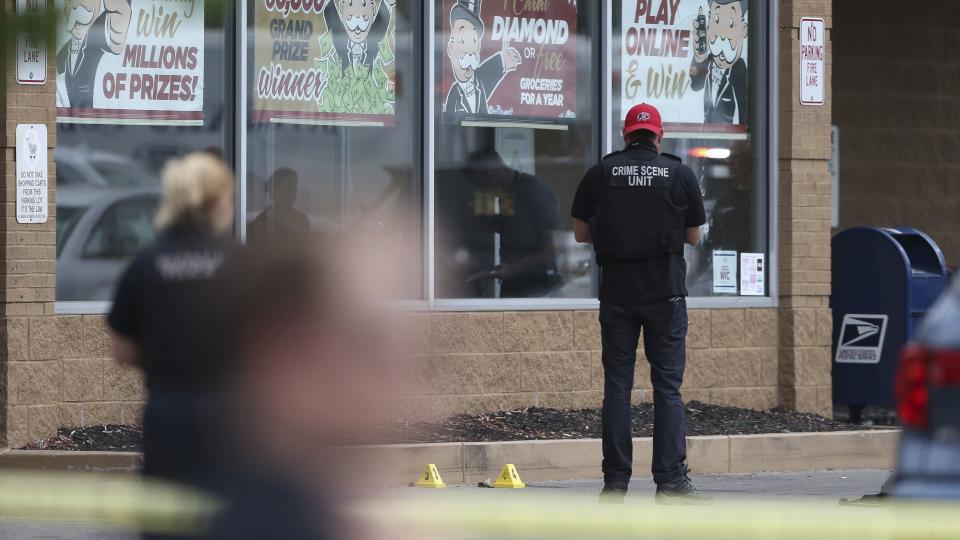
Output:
x,y
358,26
96,27
474,81
718,66
356,54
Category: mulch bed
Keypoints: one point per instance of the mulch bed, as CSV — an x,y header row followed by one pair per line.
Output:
x,y
538,423
103,438
519,425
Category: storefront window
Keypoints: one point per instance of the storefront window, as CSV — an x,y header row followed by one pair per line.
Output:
x,y
515,129
136,85
699,62
336,115
334,123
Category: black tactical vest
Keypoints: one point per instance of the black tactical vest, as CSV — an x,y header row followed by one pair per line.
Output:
x,y
637,217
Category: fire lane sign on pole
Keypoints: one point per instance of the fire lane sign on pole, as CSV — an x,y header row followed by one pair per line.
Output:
x,y
813,52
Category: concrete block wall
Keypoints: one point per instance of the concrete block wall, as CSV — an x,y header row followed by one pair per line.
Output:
x,y
899,117
479,362
804,221
62,376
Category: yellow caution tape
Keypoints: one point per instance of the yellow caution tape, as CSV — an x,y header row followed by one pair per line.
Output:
x,y
129,502
557,516
110,500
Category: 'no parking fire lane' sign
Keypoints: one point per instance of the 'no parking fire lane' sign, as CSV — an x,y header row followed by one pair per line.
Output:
x,y
813,53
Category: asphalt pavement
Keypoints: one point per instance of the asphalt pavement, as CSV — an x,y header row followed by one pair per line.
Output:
x,y
811,484
808,485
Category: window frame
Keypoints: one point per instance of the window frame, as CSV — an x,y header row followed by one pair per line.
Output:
x,y
433,303
234,42
767,167
766,78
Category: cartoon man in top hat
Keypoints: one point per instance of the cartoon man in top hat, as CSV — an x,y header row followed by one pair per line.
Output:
x,y
96,27
474,81
720,71
357,27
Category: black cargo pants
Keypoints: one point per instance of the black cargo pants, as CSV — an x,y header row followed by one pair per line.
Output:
x,y
664,325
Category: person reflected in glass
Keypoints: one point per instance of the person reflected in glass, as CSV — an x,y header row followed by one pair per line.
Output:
x,y
727,187
731,189
162,315
281,220
524,211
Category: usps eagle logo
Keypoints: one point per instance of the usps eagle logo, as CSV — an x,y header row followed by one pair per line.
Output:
x,y
861,339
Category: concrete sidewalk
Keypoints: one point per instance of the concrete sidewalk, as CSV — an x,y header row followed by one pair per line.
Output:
x,y
549,460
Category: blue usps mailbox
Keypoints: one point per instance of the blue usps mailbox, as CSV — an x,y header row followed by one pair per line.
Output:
x,y
884,281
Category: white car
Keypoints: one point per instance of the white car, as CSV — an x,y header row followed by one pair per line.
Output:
x,y
80,167
105,207
98,231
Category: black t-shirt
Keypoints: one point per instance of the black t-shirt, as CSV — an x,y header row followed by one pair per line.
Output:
x,y
166,303
648,280
530,213
530,218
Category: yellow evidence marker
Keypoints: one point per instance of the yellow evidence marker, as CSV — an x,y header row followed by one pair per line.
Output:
x,y
430,478
509,478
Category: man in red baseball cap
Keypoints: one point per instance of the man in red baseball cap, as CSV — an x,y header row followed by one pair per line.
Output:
x,y
642,117
638,207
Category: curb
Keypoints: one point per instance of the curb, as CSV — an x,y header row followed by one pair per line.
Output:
x,y
49,460
570,459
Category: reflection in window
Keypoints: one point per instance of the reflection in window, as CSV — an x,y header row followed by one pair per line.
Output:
x,y
67,217
514,135
522,213
112,146
699,66
338,148
98,231
725,169
123,230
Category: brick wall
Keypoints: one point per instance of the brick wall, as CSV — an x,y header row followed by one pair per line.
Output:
x,y
804,222
27,256
898,109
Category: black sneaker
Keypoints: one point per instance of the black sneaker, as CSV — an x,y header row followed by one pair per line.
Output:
x,y
612,495
680,490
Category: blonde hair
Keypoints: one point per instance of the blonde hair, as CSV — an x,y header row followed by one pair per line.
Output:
x,y
193,187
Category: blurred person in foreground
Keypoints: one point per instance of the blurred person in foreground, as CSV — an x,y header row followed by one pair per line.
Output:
x,y
311,360
161,317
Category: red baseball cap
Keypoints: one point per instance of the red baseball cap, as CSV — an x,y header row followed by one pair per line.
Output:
x,y
643,116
